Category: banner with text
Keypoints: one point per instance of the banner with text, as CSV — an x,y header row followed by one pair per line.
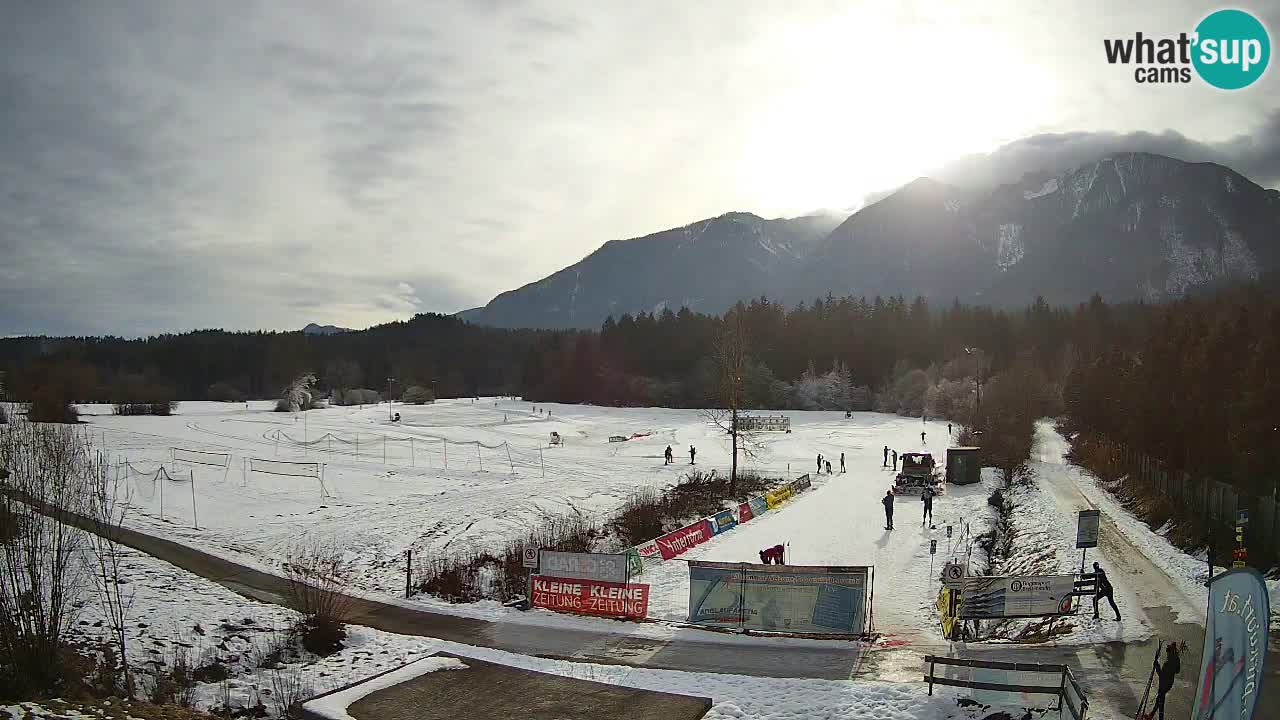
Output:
x,y
677,541
759,505
776,497
1009,597
1235,646
744,512
723,520
585,566
773,598
591,597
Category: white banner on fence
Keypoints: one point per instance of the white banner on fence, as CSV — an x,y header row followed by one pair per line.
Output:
x,y
201,457
583,566
280,467
1029,596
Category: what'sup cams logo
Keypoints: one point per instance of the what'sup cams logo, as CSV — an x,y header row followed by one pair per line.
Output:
x,y
1229,50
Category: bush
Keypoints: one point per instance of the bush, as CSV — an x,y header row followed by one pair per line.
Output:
x,y
417,395
50,404
151,408
299,395
358,396
317,571
225,392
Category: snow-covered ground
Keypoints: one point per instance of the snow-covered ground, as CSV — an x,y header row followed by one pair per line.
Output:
x,y
415,502
175,609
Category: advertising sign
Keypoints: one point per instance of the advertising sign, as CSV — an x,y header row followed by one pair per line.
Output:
x,y
779,598
744,512
759,505
635,563
649,551
801,483
590,597
530,557
586,566
1235,646
776,497
722,521
1004,597
1087,529
944,612
677,541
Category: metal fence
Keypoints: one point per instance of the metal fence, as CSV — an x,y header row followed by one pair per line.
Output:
x,y
1199,498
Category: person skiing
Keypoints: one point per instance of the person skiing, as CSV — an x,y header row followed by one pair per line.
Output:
x,y
927,497
895,460
1103,589
667,455
828,462
693,451
841,463
886,457
887,501
1172,666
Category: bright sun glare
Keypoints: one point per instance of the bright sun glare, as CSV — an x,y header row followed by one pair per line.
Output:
x,y
865,106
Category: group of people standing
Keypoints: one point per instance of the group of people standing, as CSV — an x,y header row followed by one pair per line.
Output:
x,y
824,462
670,456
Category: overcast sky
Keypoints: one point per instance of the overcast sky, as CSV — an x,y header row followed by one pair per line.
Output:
x,y
176,164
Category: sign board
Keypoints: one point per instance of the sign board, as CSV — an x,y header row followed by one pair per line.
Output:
x,y
1242,518
759,505
1087,529
677,541
635,563
649,552
1024,596
744,513
948,532
721,521
530,557
584,566
933,547
591,597
945,610
776,497
802,483
953,575
779,598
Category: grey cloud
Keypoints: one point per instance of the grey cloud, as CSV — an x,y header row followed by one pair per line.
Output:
x,y
1255,155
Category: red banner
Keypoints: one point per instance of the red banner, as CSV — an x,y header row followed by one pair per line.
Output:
x,y
744,513
590,597
677,541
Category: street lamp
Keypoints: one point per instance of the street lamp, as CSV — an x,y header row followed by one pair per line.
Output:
x,y
390,416
977,383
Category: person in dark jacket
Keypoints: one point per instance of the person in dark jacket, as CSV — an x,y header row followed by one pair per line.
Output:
x,y
887,501
886,456
1172,666
693,452
895,459
819,463
927,497
667,456
828,462
1103,589
841,463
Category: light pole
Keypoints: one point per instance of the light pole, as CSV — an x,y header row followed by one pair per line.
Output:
x,y
977,383
390,416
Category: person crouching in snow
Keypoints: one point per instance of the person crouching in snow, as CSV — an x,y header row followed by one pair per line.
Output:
x,y
773,555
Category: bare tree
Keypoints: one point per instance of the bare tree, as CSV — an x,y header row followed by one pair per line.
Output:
x,y
731,367
107,512
40,557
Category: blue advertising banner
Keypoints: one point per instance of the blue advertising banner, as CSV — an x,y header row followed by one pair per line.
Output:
x,y
779,598
759,505
722,521
1235,646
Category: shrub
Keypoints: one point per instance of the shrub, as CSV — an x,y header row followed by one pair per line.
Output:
x,y
316,571
358,396
224,392
51,404
145,408
299,395
417,395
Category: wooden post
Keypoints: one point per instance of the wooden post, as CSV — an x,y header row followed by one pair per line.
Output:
x,y
412,460
541,461
384,449
513,465
478,458
357,446
930,675
195,520
446,453
408,572
160,482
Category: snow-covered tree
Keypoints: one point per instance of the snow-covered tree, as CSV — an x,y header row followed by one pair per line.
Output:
x,y
299,395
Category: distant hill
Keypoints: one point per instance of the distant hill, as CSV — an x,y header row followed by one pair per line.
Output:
x,y
1131,226
314,329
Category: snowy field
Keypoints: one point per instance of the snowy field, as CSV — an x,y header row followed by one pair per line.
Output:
x,y
461,474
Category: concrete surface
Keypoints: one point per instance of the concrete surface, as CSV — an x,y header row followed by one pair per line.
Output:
x,y
489,690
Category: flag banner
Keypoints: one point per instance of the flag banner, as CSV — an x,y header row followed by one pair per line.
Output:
x,y
1235,646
